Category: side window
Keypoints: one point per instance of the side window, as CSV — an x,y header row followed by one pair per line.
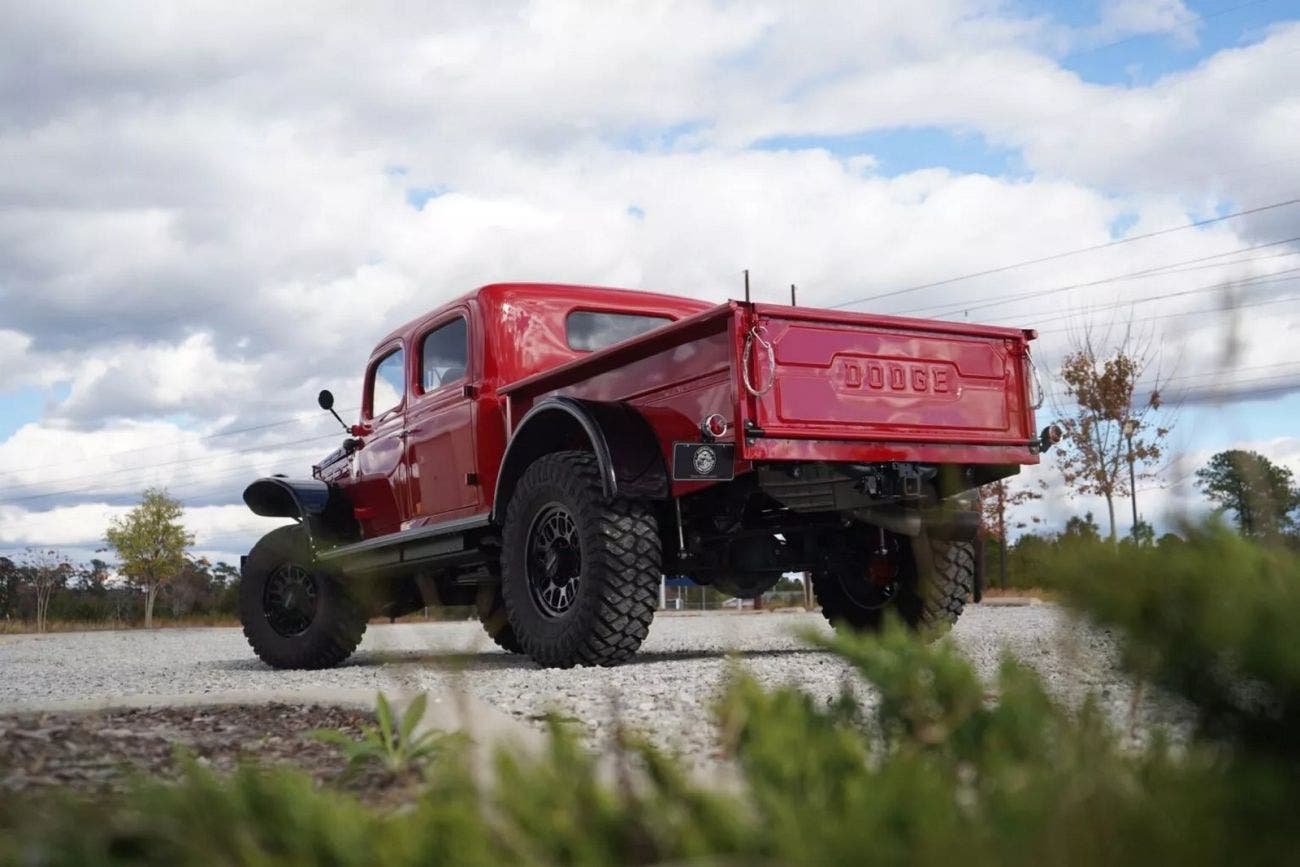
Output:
x,y
388,385
443,355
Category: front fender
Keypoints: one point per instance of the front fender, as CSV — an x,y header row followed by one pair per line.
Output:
x,y
324,510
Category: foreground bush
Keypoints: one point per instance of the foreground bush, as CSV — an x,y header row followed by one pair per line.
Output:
x,y
945,770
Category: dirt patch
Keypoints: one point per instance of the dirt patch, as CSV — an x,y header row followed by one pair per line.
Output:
x,y
101,752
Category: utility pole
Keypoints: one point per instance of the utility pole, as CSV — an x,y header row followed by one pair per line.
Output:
x,y
1002,533
1130,428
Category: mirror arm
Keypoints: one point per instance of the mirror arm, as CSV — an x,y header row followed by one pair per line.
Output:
x,y
326,401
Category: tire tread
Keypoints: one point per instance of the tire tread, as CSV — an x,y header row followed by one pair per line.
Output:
x,y
946,576
324,648
623,557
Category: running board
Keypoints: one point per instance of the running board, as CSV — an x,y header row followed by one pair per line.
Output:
x,y
440,543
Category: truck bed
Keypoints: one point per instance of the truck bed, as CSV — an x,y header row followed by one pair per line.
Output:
x,y
822,384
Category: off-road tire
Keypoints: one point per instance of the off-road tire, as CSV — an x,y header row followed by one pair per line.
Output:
x,y
618,586
338,623
491,609
930,598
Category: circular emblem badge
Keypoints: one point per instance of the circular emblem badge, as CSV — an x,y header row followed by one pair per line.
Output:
x,y
704,461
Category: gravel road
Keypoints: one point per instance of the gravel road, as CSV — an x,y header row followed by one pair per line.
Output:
x,y
666,691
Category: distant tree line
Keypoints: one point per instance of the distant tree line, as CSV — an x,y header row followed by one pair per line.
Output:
x,y
1257,496
41,586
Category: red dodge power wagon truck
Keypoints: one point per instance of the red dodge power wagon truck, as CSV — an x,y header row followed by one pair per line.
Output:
x,y
548,452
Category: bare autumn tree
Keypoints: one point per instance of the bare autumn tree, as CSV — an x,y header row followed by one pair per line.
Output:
x,y
151,542
1116,417
47,570
995,499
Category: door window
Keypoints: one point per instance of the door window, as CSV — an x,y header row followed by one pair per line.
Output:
x,y
388,383
443,355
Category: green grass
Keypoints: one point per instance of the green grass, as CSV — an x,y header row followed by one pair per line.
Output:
x,y
395,745
945,770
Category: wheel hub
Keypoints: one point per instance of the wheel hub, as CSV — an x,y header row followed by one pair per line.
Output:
x,y
877,585
554,560
289,600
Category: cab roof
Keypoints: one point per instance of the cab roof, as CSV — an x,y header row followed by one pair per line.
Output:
x,y
496,297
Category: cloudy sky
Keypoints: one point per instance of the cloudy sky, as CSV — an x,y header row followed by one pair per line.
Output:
x,y
210,211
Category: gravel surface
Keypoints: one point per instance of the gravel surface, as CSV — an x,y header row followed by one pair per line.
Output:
x,y
101,752
667,690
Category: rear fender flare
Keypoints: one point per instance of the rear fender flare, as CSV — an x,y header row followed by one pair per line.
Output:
x,y
623,442
324,510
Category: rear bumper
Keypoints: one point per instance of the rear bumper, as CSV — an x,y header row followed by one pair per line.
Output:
x,y
850,451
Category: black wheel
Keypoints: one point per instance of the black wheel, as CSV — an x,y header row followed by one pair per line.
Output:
x,y
295,614
580,573
925,580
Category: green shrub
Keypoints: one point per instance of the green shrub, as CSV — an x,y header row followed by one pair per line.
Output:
x,y
1215,619
392,744
943,768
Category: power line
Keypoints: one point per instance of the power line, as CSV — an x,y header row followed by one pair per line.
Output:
x,y
1224,387
1234,392
1159,271
1262,279
1255,379
178,462
1182,293
1211,373
179,442
1055,256
96,488
187,481
1188,312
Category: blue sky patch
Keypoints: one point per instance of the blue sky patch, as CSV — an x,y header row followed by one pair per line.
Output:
x,y
899,151
1213,425
27,405
1120,225
418,197
1142,59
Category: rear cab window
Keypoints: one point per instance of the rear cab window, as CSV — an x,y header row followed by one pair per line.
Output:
x,y
591,330
387,386
444,355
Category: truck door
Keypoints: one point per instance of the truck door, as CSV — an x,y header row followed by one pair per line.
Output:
x,y
440,424
382,500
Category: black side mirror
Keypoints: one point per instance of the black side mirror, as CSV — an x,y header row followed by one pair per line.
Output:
x,y
326,401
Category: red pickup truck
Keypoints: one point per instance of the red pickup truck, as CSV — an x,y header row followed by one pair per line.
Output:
x,y
548,452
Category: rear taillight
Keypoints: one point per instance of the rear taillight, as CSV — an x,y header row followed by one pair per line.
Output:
x,y
1036,394
714,426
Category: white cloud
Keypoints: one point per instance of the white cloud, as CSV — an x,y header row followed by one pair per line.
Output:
x,y
13,352
1121,19
220,532
207,215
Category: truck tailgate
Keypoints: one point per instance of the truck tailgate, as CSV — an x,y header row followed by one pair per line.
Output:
x,y
848,376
